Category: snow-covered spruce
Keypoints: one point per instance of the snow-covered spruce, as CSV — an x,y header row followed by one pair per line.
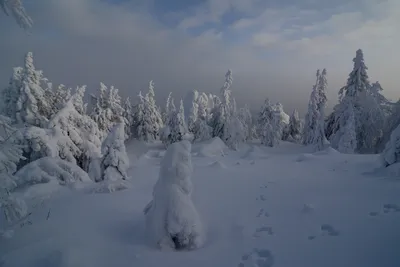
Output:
x,y
10,154
368,115
314,126
115,161
293,131
268,126
171,219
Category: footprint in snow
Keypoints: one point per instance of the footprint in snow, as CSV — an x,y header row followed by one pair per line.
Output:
x,y
257,258
391,208
329,230
263,230
262,198
262,213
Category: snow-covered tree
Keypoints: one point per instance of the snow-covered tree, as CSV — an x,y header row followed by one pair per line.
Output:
x,y
391,153
115,162
16,9
202,131
25,100
176,127
314,126
149,118
348,142
101,112
368,115
80,129
60,97
172,221
128,118
77,99
10,155
244,115
294,127
193,116
268,126
167,110
11,93
115,105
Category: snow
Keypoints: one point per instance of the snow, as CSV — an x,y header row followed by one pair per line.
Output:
x,y
330,211
49,169
172,221
210,148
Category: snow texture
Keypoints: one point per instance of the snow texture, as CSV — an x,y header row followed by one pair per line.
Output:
x,y
46,170
171,219
115,162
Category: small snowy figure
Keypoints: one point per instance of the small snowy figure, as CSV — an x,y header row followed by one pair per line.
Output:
x,y
115,161
171,218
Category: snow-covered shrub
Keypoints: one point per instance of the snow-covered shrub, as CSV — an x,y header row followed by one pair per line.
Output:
x,y
115,161
391,154
48,169
171,218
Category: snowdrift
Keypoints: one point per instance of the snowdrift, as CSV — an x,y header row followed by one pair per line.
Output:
x,y
210,148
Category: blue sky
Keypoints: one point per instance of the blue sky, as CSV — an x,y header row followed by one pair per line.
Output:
x,y
273,47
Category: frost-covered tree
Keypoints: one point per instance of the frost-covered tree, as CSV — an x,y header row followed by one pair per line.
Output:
x,y
391,153
167,110
172,221
10,155
348,141
268,126
314,126
128,118
193,116
77,99
80,129
294,127
115,105
16,9
224,121
244,115
176,127
222,109
150,122
60,97
115,162
101,112
202,131
25,100
367,112
11,93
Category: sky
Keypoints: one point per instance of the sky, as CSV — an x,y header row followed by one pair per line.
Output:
x,y
273,47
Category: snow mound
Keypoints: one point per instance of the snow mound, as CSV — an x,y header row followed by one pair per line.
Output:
x,y
210,148
217,165
253,153
328,151
108,186
47,169
305,157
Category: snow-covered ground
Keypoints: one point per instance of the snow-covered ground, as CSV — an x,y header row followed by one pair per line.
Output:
x,y
262,207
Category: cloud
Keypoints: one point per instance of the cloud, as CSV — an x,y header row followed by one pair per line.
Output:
x,y
273,51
